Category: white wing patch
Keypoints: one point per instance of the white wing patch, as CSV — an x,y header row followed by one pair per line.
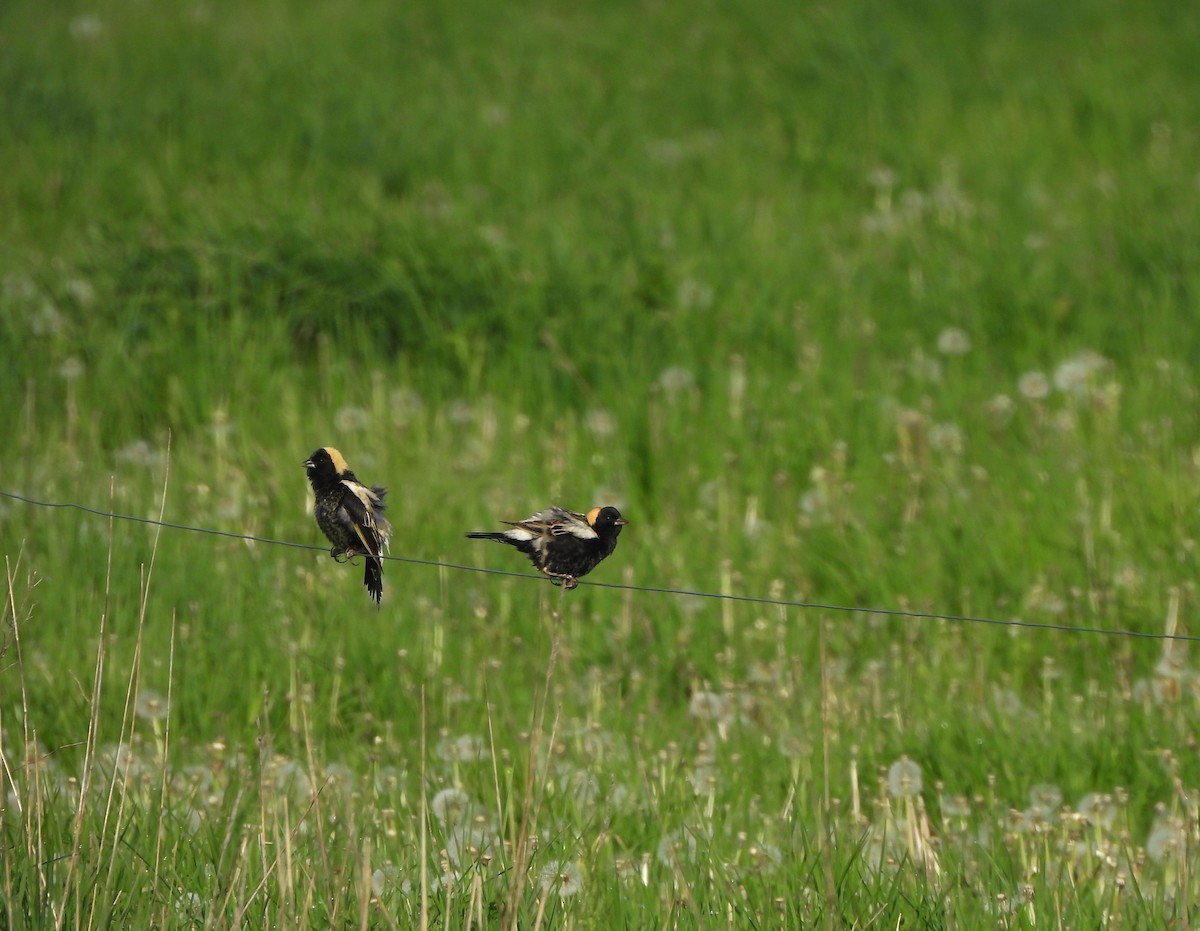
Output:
x,y
370,518
576,528
363,494
559,521
553,522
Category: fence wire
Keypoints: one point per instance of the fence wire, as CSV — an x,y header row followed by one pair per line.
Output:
x,y
645,589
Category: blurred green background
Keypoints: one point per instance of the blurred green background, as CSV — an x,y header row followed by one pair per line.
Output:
x,y
877,305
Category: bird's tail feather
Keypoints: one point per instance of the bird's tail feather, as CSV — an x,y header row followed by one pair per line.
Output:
x,y
373,578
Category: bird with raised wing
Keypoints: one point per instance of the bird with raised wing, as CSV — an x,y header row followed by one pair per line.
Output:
x,y
564,545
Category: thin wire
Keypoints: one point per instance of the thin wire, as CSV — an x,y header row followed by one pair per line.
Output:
x,y
720,596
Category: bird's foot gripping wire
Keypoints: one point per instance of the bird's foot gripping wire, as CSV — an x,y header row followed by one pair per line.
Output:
x,y
568,582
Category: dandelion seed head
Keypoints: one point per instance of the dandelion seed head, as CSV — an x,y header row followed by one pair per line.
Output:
x,y
193,779
121,760
1045,800
452,806
666,151
339,776
601,423
469,748
404,405
1166,840
953,341
882,849
47,320
80,290
471,844
925,367
1077,375
703,780
351,419
793,746
19,287
290,777
881,176
1033,385
904,779
676,379
1151,691
71,369
1098,809
1040,598
580,785
956,806
710,707
461,413
495,236
150,706
695,294
565,879
87,26
764,858
816,504
947,438
139,452
388,779
622,798
1064,421
1000,409
229,505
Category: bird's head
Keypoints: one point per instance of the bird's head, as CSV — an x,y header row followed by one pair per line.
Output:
x,y
326,463
606,520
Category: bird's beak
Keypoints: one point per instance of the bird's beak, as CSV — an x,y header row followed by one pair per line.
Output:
x,y
308,463
620,522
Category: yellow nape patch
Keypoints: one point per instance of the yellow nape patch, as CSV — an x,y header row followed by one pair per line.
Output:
x,y
339,464
592,515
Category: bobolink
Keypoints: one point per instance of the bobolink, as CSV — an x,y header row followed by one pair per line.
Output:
x,y
349,513
561,543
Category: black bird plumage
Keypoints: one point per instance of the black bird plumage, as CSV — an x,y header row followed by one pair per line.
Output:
x,y
563,544
350,514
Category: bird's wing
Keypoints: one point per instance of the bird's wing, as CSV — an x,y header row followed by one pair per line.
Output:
x,y
558,522
377,495
360,503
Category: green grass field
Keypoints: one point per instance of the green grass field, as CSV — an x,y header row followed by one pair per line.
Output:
x,y
861,305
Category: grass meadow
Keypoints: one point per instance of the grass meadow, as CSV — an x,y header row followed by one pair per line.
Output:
x,y
845,306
